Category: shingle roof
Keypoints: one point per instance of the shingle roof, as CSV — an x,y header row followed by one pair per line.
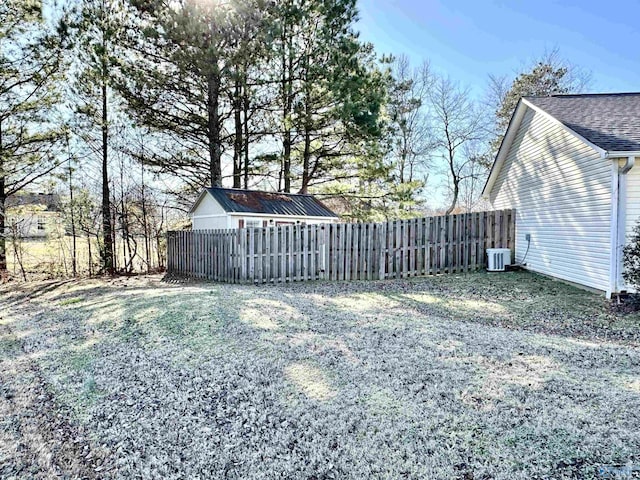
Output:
x,y
276,203
51,201
610,120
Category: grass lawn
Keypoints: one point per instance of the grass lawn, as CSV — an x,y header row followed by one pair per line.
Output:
x,y
479,376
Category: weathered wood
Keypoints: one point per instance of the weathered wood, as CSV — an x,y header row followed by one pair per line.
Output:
x,y
381,240
355,251
395,249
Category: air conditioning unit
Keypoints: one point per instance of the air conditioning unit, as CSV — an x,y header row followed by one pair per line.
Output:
x,y
498,258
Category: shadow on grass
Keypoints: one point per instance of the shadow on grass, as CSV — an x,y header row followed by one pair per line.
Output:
x,y
406,362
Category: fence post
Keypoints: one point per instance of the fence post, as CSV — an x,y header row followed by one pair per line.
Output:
x,y
395,249
381,240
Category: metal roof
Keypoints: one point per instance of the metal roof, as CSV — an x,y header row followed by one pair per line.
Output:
x,y
276,203
610,121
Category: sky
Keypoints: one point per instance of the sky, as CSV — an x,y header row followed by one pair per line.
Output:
x,y
469,40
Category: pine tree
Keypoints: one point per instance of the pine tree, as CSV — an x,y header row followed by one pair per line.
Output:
x,y
98,30
30,59
183,67
550,75
329,94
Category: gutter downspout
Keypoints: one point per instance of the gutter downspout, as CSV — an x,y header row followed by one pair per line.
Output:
x,y
621,219
631,161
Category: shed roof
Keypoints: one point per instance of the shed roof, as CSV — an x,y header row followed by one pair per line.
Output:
x,y
276,203
609,120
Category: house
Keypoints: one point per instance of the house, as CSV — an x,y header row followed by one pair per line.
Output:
x,y
567,165
33,215
227,208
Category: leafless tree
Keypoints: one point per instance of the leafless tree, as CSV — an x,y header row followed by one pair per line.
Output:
x,y
412,139
458,123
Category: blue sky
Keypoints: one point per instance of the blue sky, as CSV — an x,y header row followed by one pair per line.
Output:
x,y
470,39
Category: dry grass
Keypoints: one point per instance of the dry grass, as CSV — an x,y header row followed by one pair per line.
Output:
x,y
470,377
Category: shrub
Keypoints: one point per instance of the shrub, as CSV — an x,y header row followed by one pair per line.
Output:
x,y
631,258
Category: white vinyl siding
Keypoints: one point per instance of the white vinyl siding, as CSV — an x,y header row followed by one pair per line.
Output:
x,y
632,210
633,199
208,214
561,190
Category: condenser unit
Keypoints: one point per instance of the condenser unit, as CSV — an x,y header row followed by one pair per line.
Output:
x,y
498,258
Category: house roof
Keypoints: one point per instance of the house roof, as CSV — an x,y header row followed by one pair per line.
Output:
x,y
609,120
51,201
276,203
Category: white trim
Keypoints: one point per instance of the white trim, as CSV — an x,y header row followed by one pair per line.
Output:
x,y
277,215
613,232
505,146
598,149
620,227
514,124
618,154
622,219
211,215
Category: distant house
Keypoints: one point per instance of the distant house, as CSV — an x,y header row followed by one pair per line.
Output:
x,y
567,166
227,208
32,215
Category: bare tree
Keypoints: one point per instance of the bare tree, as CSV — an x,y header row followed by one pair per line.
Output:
x,y
412,139
458,123
473,174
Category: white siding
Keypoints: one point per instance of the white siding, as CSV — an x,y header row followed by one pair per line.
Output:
x,y
561,190
633,199
209,215
272,220
632,210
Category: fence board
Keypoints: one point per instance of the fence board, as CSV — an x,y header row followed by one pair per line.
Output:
x,y
361,251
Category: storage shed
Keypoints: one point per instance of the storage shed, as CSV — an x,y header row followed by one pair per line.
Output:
x,y
566,165
228,208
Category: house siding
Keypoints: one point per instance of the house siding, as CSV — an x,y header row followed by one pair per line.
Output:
x,y
632,203
561,190
633,200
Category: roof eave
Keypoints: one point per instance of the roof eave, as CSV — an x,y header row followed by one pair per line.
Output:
x,y
553,119
510,134
622,154
299,215
505,145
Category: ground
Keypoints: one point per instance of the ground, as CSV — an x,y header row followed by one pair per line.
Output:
x,y
479,376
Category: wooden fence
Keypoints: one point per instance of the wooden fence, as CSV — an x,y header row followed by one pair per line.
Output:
x,y
345,251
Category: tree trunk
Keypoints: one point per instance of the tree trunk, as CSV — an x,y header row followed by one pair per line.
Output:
x,y
74,250
237,141
287,106
306,154
245,106
145,222
456,183
90,263
3,198
213,97
107,254
306,174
